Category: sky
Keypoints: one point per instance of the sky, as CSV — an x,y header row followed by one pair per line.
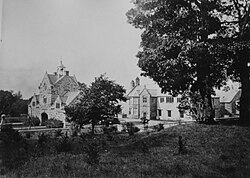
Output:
x,y
91,37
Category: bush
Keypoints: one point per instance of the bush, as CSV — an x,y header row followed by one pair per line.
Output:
x,y
93,155
14,147
58,133
160,127
32,121
108,130
53,123
63,145
132,129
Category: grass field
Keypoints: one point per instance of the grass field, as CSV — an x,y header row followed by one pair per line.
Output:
x,y
212,151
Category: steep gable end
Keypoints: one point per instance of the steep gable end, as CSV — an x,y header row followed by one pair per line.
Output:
x,y
45,83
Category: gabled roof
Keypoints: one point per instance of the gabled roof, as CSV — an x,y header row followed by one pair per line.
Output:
x,y
71,77
227,96
53,78
71,96
153,90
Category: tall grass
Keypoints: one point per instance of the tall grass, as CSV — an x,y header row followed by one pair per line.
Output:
x,y
212,151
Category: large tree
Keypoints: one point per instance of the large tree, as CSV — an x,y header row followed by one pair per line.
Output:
x,y
12,103
180,43
98,102
235,37
175,44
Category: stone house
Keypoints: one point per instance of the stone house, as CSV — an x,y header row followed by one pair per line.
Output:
x,y
148,101
226,101
55,92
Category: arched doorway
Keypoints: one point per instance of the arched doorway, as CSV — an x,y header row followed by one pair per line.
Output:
x,y
44,117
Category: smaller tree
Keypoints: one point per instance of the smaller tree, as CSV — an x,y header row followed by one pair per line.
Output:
x,y
193,103
98,102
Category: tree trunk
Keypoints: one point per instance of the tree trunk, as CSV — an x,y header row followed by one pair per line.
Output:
x,y
244,102
212,112
244,99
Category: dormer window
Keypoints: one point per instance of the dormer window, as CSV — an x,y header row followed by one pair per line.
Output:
x,y
44,100
33,103
144,99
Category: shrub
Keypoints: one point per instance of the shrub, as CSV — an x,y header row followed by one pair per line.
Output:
x,y
14,148
108,130
58,133
53,123
160,127
132,129
92,151
32,121
63,145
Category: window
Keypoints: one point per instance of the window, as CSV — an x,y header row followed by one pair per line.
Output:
x,y
135,100
33,103
45,86
169,113
144,99
37,102
161,100
45,100
135,111
169,99
181,114
129,112
57,105
159,112
178,100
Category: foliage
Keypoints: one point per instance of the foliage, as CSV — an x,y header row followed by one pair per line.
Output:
x,y
108,130
12,103
58,133
32,121
99,101
194,45
93,153
193,104
63,145
53,123
131,128
213,151
14,149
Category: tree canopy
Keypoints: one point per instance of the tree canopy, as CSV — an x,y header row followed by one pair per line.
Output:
x,y
98,102
184,42
12,103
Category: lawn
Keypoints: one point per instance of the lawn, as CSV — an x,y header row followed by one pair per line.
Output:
x,y
212,151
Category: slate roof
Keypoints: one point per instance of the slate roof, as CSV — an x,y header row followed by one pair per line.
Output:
x,y
53,78
153,89
226,96
71,96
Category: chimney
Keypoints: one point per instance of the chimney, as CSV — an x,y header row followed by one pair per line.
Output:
x,y
137,81
67,72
